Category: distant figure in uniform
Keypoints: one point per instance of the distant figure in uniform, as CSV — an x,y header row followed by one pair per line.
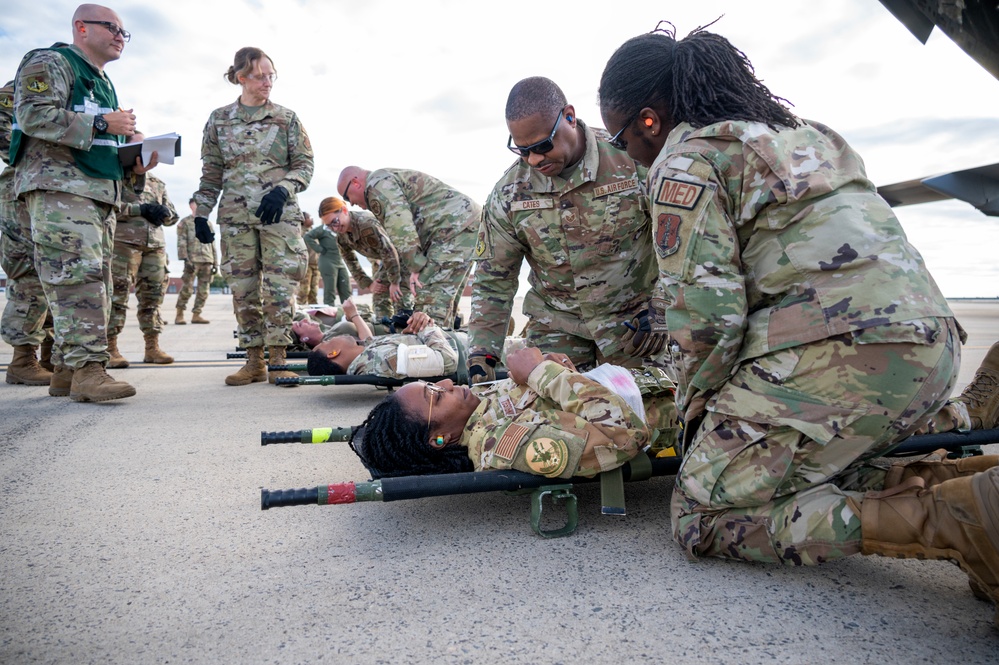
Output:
x,y
431,225
359,232
308,290
336,280
65,154
140,262
575,207
201,262
806,334
25,324
257,156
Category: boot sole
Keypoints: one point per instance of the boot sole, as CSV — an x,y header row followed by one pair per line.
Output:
x,y
107,398
256,379
18,381
150,361
59,393
118,365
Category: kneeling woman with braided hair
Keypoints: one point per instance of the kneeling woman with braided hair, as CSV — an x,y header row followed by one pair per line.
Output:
x,y
547,419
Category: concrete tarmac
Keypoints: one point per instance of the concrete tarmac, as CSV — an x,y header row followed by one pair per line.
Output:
x,y
131,532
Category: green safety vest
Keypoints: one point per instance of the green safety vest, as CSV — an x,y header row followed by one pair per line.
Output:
x,y
90,89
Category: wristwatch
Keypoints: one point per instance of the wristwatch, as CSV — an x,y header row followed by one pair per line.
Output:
x,y
100,124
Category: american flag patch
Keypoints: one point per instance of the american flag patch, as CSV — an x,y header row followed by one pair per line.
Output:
x,y
508,443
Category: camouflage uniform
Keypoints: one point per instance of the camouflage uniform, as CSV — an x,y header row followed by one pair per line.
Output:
x,y
308,290
367,237
588,240
199,258
23,321
806,335
336,279
72,213
380,353
139,255
564,424
244,154
433,227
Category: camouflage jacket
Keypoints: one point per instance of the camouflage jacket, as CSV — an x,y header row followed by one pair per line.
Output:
x,y
43,90
426,220
587,238
6,122
367,237
769,240
564,424
132,228
244,154
189,248
379,355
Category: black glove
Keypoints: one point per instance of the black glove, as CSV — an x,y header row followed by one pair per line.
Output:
x,y
401,319
154,213
271,206
202,231
481,368
647,332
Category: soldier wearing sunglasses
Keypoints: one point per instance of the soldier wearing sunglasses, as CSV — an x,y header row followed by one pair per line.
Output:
x,y
574,207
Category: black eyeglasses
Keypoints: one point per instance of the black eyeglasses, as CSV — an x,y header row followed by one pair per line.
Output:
x,y
112,28
344,195
541,147
616,140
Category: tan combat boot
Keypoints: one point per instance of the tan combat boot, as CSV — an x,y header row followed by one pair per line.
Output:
x,y
24,368
957,520
92,383
62,379
154,354
197,318
279,357
45,354
935,468
982,394
117,361
254,371
180,318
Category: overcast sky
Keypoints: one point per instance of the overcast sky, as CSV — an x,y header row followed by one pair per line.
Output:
x,y
423,84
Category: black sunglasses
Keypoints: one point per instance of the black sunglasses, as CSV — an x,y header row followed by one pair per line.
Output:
x,y
541,147
344,195
112,28
616,140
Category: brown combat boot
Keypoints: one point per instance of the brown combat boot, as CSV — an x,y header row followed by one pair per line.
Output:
x,y
62,380
154,354
935,468
24,368
197,318
279,357
45,354
180,318
92,383
254,371
982,394
117,361
957,520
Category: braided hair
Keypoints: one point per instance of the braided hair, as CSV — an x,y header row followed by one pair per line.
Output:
x,y
391,442
703,79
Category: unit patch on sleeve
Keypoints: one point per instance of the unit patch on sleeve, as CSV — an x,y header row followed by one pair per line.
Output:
x,y
667,234
547,457
679,193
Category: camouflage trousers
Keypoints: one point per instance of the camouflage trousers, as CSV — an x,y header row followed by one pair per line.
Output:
x,y
308,289
443,284
73,238
336,283
24,317
585,353
793,435
145,269
203,272
263,266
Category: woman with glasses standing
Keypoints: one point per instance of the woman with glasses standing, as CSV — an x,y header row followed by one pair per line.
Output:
x,y
806,334
256,156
